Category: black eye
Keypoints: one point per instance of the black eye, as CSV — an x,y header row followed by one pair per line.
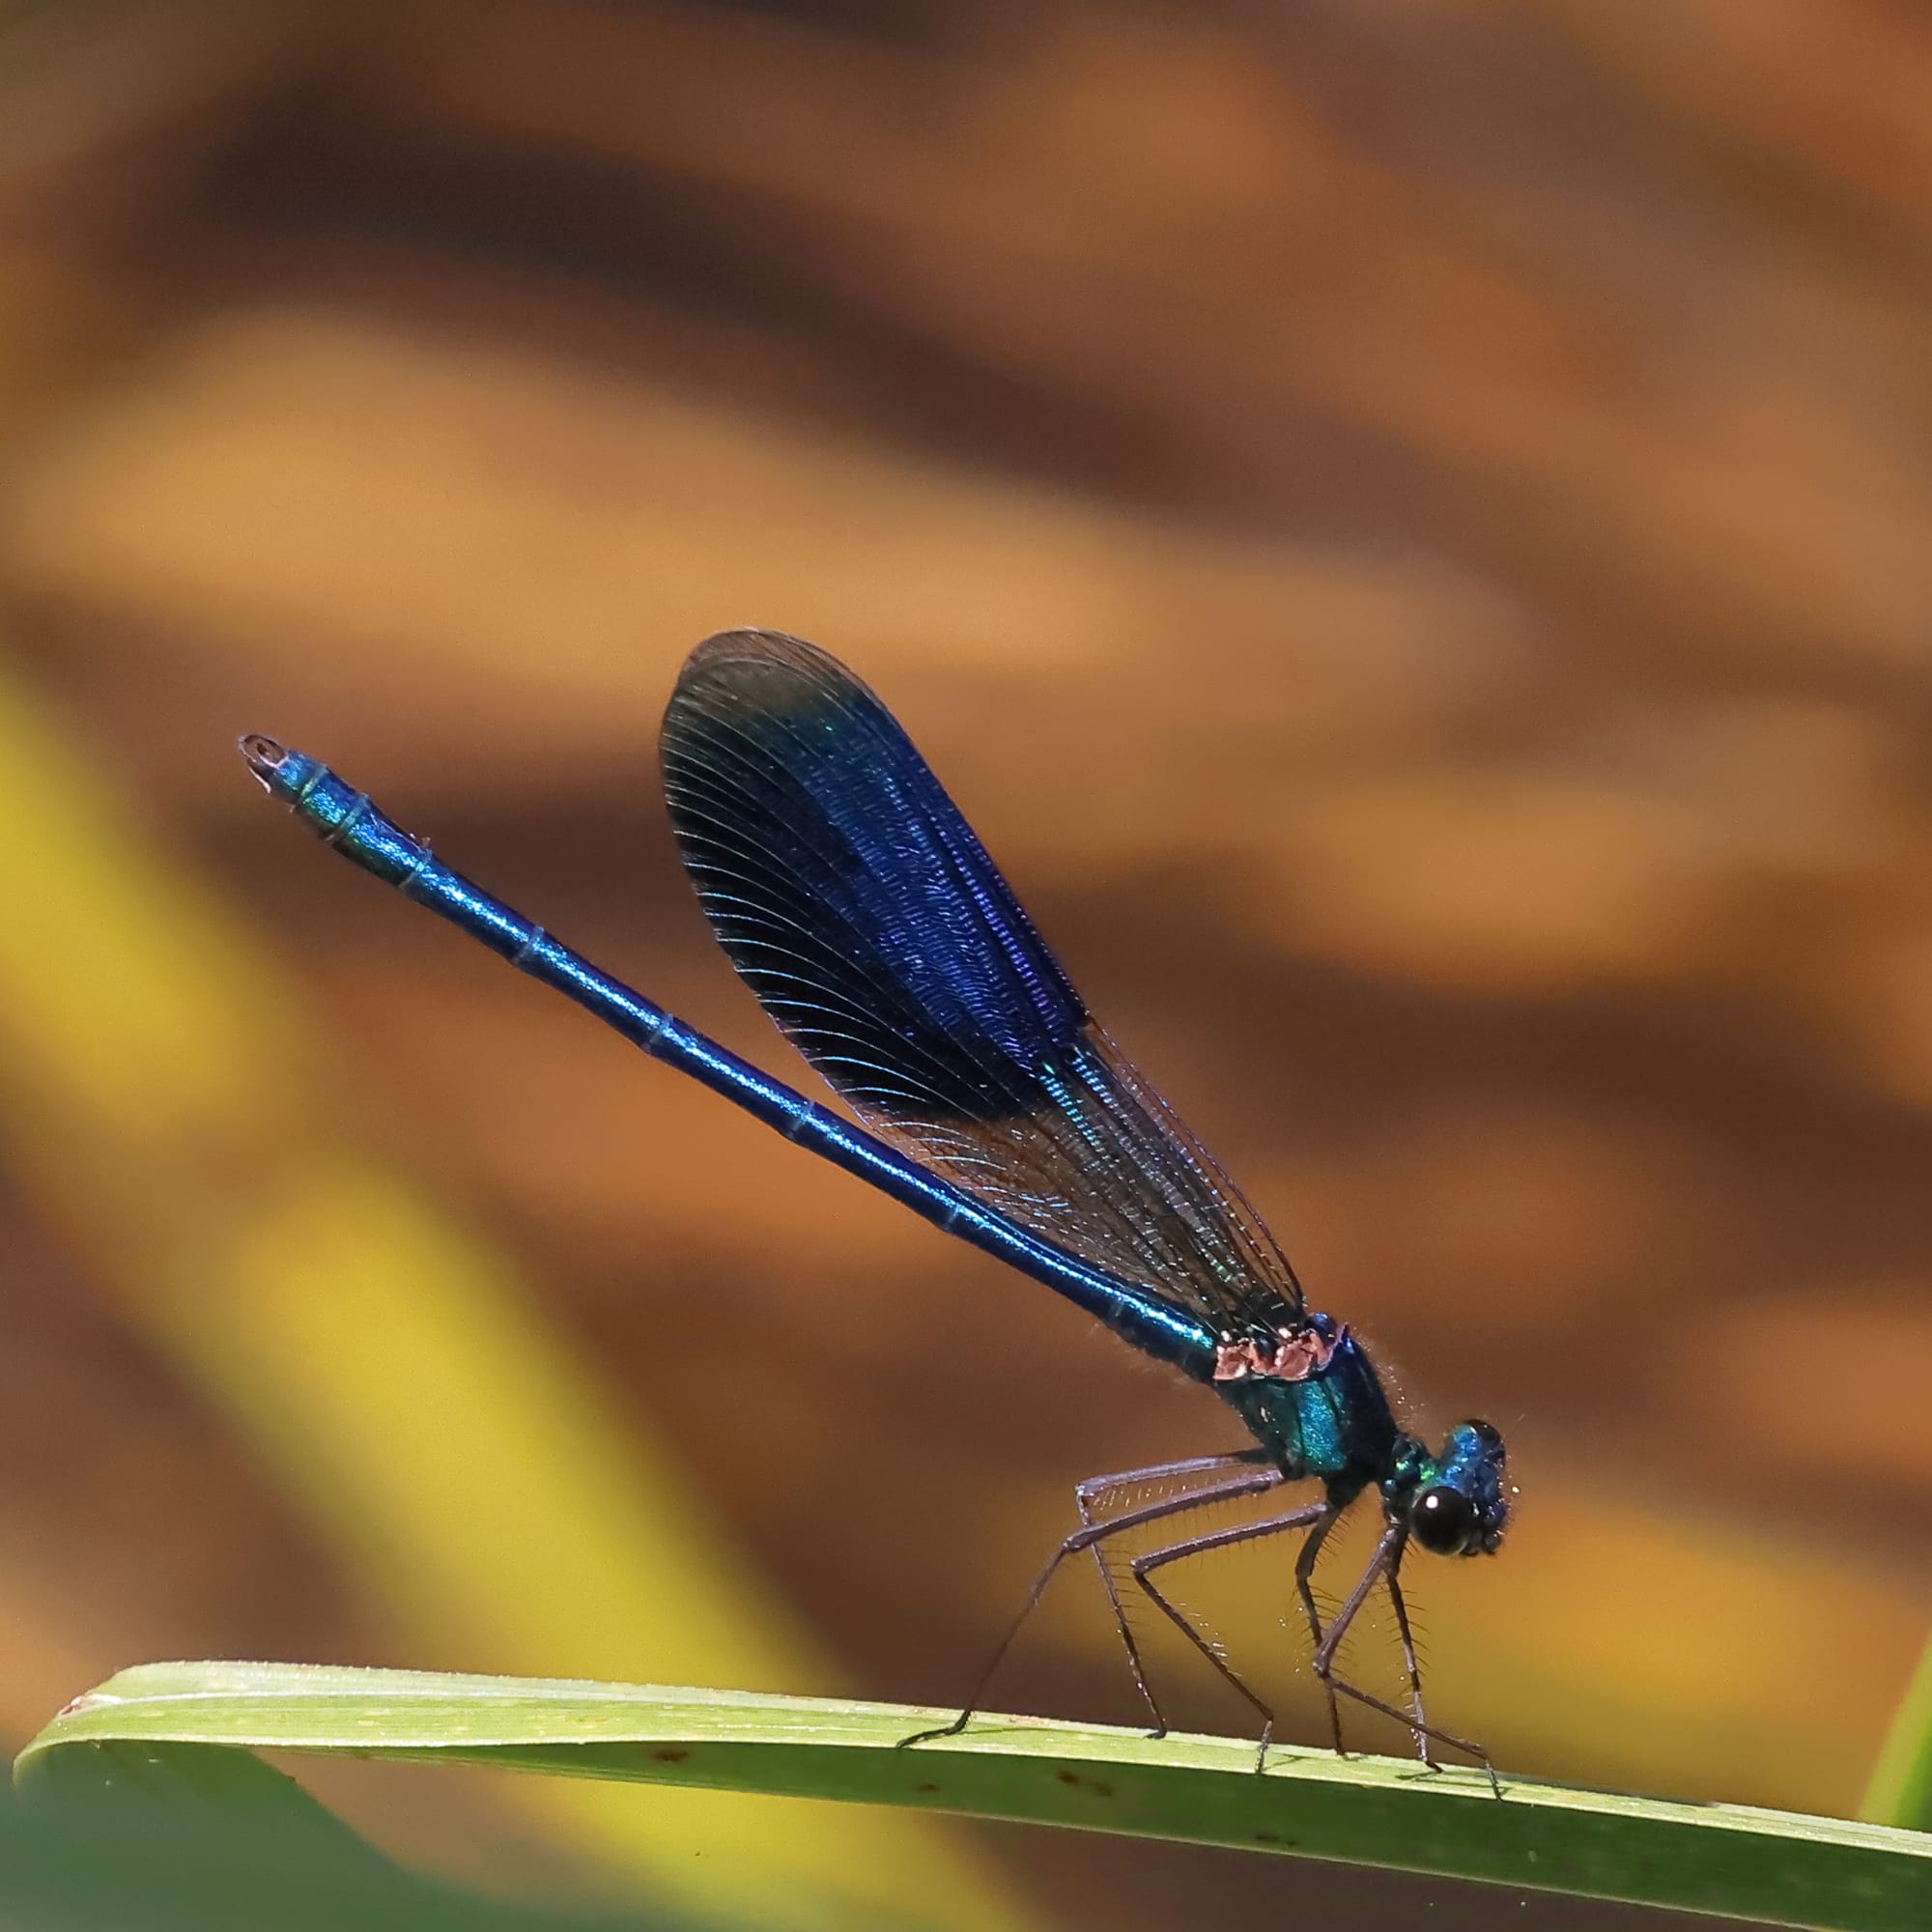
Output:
x,y
1443,1519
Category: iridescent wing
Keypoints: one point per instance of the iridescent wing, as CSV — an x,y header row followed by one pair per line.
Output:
x,y
859,908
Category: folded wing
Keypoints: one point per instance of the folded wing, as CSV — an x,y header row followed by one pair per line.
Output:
x,y
860,908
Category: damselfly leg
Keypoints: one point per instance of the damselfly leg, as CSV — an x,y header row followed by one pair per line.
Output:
x,y
1382,1568
1318,1518
1304,1589
1256,1482
1311,1516
1092,1495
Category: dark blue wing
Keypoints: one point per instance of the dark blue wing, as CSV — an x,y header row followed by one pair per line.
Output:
x,y
868,919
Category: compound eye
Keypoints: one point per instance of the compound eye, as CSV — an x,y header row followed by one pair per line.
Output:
x,y
1443,1519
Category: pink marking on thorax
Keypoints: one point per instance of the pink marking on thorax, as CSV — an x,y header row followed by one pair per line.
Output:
x,y
1296,1354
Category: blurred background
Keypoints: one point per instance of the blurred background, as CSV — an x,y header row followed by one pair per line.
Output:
x,y
1403,529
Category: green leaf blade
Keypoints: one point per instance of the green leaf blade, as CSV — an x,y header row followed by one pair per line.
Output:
x,y
1775,1867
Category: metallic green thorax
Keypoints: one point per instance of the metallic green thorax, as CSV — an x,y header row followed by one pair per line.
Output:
x,y
1335,1424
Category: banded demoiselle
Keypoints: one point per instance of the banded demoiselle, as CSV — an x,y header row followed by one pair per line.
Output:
x,y
859,906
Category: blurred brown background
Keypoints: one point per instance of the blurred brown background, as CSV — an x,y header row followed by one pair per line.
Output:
x,y
1405,529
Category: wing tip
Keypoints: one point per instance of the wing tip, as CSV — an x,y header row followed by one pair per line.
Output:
x,y
751,644
748,674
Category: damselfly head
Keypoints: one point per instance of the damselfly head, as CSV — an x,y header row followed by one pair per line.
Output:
x,y
1460,1505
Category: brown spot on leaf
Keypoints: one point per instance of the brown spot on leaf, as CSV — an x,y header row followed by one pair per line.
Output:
x,y
1093,1784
